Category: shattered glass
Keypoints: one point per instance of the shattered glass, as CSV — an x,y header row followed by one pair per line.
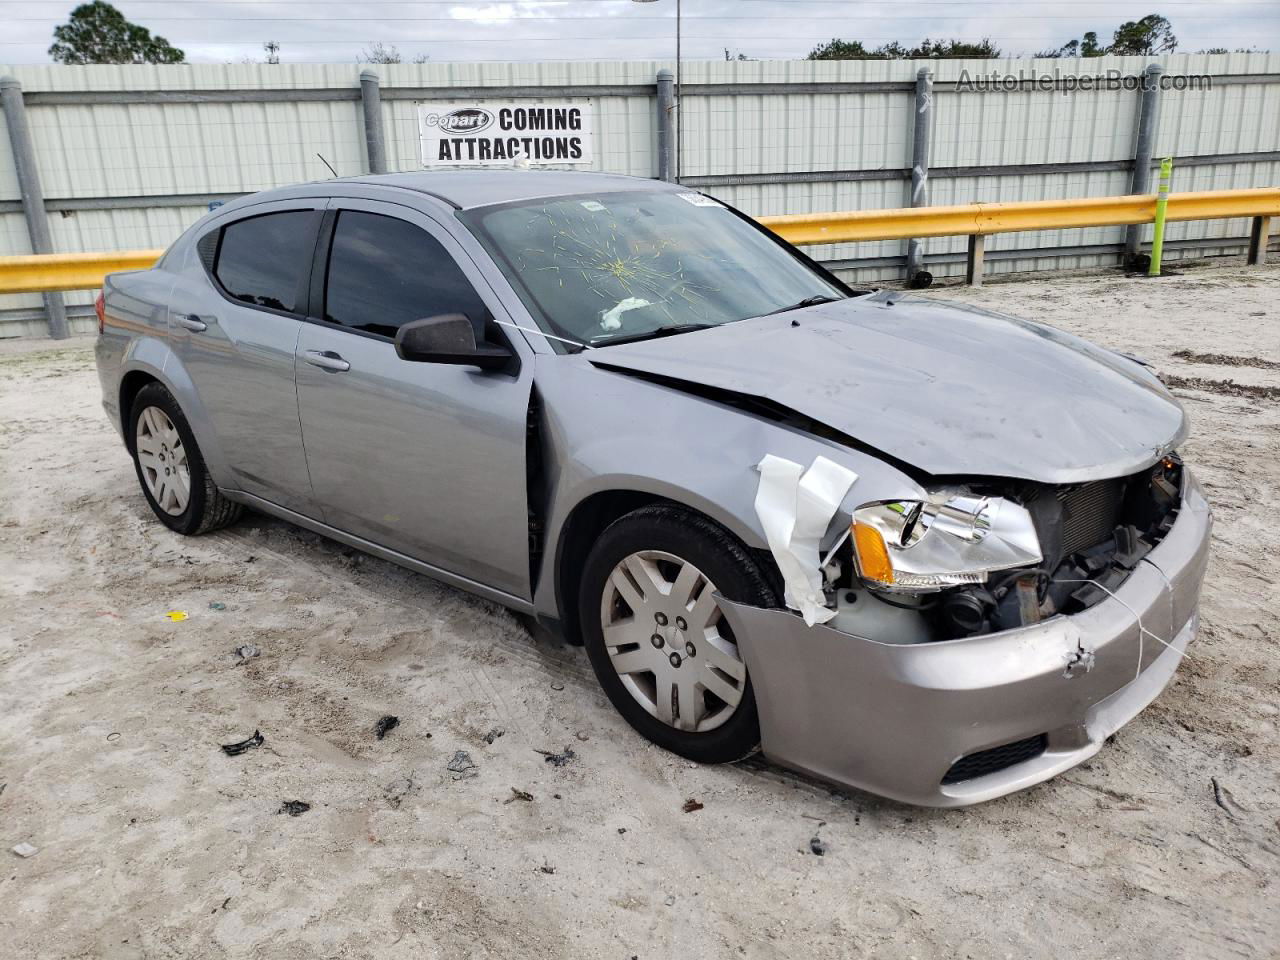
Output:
x,y
595,267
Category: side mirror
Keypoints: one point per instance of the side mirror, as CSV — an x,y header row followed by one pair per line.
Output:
x,y
448,338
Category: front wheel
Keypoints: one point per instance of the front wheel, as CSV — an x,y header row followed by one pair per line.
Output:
x,y
657,640
170,469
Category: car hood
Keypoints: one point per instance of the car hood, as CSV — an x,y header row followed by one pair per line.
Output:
x,y
946,388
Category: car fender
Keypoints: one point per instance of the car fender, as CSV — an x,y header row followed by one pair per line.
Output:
x,y
609,432
156,358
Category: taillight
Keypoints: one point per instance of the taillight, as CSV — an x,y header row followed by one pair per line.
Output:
x,y
100,308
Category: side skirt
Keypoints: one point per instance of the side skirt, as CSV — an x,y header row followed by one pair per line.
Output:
x,y
508,600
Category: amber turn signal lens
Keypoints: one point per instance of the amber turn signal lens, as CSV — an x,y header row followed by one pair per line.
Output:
x,y
872,554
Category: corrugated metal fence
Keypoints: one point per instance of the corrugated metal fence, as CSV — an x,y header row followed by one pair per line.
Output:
x,y
129,156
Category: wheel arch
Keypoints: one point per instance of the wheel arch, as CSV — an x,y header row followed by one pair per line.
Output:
x,y
153,362
588,519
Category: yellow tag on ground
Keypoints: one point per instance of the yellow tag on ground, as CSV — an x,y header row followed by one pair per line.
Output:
x,y
176,615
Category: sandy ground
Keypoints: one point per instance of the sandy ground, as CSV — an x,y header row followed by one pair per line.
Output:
x,y
153,843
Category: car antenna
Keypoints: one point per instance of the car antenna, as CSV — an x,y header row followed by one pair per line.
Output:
x,y
327,164
549,336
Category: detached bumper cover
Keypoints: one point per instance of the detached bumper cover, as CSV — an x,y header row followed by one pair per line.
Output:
x,y
892,719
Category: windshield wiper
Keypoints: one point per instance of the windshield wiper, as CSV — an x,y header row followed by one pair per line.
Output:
x,y
806,302
654,334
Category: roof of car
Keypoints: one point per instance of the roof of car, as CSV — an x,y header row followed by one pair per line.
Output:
x,y
479,188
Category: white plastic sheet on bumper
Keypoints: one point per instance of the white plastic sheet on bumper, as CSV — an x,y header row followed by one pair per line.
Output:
x,y
795,507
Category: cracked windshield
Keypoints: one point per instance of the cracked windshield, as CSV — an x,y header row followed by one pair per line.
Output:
x,y
625,266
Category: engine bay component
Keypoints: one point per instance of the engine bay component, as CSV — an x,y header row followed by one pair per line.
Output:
x,y
1093,536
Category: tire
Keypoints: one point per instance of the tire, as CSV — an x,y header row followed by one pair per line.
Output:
x,y
169,466
685,694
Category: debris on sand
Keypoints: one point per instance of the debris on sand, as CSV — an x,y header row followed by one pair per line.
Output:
x,y
493,735
397,790
385,726
518,794
25,850
547,868
692,806
817,847
558,759
177,616
461,766
1228,388
235,749
294,808
246,652
217,605
1226,360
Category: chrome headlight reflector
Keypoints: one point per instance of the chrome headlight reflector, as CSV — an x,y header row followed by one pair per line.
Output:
x,y
953,538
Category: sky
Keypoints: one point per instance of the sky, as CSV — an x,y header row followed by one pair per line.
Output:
x,y
338,31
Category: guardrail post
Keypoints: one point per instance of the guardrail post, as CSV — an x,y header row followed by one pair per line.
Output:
x,y
974,265
917,276
1259,235
371,102
666,125
1140,178
24,160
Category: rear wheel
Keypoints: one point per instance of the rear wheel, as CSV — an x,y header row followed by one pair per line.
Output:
x,y
171,471
659,643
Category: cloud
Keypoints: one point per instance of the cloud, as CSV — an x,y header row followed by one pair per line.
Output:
x,y
454,31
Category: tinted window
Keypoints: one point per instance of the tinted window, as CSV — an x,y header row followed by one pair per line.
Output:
x,y
263,260
385,272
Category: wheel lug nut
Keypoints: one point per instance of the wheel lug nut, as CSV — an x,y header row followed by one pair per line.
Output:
x,y
680,624
675,659
690,650
661,619
657,640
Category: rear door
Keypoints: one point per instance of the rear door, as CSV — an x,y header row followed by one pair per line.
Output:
x,y
425,459
236,329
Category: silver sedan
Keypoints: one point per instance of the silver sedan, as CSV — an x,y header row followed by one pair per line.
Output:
x,y
919,549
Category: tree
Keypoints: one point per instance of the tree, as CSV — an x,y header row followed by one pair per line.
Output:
x,y
735,56
378,52
926,50
841,50
272,49
98,33
1151,35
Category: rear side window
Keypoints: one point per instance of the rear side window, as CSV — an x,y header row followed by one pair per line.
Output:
x,y
263,260
385,272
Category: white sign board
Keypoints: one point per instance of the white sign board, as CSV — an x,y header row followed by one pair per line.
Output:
x,y
495,133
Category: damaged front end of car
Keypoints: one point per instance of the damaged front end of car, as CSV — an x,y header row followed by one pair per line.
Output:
x,y
984,638
978,557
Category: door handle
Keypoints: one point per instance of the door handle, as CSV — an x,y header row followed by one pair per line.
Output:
x,y
191,322
326,360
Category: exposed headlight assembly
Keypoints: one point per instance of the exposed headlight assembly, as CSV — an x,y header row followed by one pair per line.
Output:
x,y
953,538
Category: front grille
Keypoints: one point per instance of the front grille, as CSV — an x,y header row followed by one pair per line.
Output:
x,y
1090,512
997,758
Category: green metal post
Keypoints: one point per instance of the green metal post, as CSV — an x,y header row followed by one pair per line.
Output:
x,y
1162,202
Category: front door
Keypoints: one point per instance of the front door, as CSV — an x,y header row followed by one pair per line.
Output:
x,y
425,459
235,327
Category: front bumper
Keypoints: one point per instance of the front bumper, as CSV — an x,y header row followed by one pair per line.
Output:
x,y
892,719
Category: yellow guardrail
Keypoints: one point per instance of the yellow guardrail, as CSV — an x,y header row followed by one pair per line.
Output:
x,y
84,271
979,219
68,271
